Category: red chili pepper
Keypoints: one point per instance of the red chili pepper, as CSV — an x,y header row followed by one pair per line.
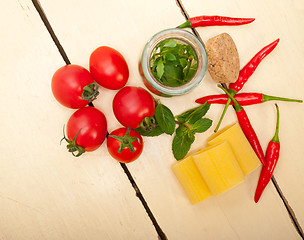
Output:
x,y
205,21
251,66
272,156
245,74
243,99
247,128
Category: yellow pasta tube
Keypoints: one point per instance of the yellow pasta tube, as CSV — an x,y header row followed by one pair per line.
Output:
x,y
244,154
219,168
191,180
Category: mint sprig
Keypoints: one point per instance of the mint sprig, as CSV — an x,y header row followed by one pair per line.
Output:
x,y
182,142
188,124
191,122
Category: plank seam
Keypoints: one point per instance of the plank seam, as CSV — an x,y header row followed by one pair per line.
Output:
x,y
289,209
158,229
48,26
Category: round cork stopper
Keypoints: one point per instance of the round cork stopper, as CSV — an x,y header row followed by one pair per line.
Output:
x,y
223,59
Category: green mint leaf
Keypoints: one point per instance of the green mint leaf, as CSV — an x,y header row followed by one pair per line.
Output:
x,y
192,115
153,132
170,57
202,125
160,69
172,74
183,62
190,52
183,116
198,113
191,71
182,142
165,118
170,43
181,130
187,69
175,50
153,63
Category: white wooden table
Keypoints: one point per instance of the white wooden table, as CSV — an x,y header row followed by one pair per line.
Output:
x,y
46,193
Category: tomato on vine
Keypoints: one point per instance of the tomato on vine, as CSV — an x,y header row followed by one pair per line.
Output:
x,y
109,68
86,130
125,145
133,105
73,86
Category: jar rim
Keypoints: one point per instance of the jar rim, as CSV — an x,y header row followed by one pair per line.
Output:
x,y
187,37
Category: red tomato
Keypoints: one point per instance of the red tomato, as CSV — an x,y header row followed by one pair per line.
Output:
x,y
109,68
126,155
131,105
68,83
91,126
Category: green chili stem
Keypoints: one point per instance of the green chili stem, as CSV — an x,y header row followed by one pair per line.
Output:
x,y
237,106
276,135
186,24
269,98
232,92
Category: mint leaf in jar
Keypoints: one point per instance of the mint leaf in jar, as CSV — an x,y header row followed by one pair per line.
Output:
x,y
169,43
160,69
173,62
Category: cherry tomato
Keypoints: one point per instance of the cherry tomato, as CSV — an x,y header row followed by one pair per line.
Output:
x,y
87,129
109,68
69,83
125,145
131,105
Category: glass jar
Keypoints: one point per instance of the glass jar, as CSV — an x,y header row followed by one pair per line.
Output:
x,y
183,37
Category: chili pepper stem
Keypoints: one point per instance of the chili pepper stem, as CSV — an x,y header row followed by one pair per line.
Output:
x,y
224,111
186,24
237,106
276,135
270,98
222,115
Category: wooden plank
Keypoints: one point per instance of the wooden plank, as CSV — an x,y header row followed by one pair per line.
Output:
x,y
126,26
279,75
45,193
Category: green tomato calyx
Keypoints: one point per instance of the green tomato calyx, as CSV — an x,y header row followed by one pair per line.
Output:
x,y
72,147
126,141
148,123
90,92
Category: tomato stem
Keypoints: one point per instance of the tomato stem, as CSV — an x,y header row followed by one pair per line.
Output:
x,y
90,92
72,145
148,123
